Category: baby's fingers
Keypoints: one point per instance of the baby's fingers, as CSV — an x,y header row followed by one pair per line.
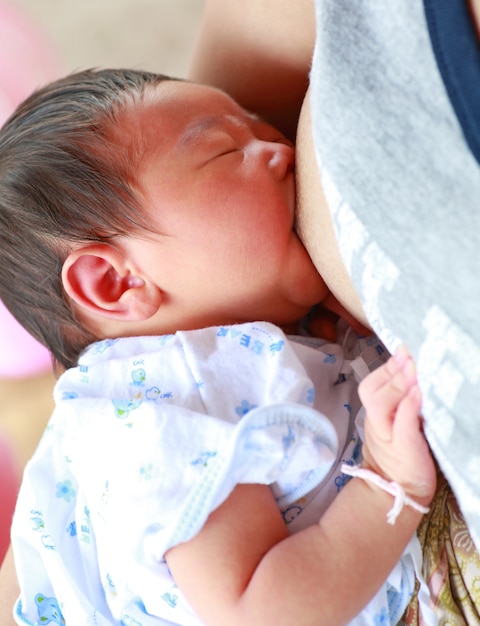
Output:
x,y
383,390
382,375
416,468
408,421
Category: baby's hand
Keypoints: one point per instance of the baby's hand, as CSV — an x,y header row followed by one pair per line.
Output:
x,y
395,446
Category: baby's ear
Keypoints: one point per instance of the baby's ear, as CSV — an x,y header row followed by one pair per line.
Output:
x,y
99,279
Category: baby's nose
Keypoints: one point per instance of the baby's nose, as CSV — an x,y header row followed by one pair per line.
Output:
x,y
281,158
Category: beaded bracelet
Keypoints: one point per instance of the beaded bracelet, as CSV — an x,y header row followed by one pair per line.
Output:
x,y
393,488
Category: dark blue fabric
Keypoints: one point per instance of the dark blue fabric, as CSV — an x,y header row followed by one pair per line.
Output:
x,y
457,50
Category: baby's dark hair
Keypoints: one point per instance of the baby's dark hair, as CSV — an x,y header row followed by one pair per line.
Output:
x,y
64,179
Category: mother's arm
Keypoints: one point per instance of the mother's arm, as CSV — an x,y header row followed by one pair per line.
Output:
x,y
9,590
259,51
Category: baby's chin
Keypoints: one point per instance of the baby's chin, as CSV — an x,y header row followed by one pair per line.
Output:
x,y
305,282
310,288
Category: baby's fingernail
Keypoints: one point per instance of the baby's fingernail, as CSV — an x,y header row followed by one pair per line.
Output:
x,y
409,370
416,396
401,355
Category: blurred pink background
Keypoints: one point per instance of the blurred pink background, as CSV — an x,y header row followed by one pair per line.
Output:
x,y
27,61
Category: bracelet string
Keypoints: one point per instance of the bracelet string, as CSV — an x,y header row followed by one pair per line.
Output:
x,y
397,491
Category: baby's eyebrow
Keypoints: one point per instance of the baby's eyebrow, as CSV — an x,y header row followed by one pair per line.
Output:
x,y
193,131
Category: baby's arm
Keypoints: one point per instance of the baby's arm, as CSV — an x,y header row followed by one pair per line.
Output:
x,y
243,568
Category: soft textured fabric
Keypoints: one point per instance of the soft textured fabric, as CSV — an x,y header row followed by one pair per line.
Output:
x,y
394,93
451,565
150,434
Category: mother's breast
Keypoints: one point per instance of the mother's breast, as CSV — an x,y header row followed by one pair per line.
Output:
x,y
314,223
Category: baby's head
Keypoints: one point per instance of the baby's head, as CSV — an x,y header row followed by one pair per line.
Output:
x,y
133,204
60,177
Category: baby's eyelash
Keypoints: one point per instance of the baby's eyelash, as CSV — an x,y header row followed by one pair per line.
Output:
x,y
228,151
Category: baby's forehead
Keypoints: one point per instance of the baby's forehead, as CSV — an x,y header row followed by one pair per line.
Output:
x,y
181,108
173,118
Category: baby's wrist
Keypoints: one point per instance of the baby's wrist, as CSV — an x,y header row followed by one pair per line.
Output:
x,y
400,497
421,492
